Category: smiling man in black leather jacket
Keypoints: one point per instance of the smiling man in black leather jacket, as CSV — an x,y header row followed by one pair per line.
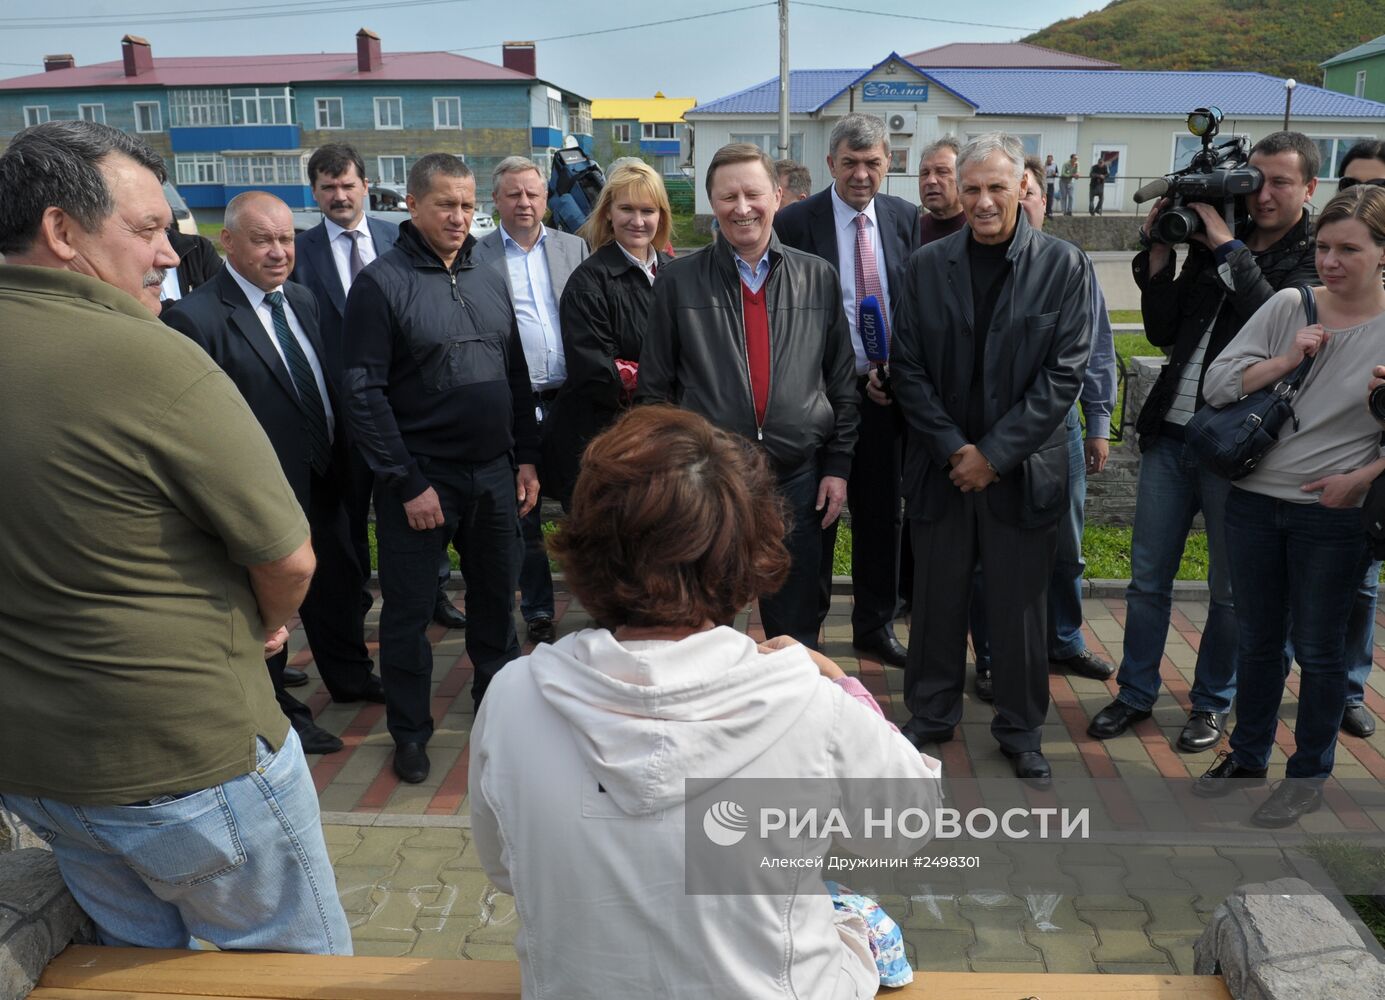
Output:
x,y
994,334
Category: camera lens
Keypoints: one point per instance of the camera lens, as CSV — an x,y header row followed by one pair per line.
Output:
x,y
1175,225
1377,403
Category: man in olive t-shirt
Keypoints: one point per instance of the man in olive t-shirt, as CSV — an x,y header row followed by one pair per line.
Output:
x,y
151,551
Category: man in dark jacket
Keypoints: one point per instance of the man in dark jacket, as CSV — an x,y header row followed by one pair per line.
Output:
x,y
1193,317
867,236
993,340
437,397
747,304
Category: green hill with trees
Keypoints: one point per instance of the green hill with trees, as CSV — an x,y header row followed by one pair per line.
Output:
x,y
1278,37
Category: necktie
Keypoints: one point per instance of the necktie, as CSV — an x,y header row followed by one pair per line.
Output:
x,y
309,399
867,277
357,263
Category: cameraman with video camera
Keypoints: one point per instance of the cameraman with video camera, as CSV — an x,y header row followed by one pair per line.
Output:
x,y
1226,276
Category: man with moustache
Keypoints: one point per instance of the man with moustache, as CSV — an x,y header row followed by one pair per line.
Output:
x,y
439,400
868,237
263,332
994,336
148,517
748,303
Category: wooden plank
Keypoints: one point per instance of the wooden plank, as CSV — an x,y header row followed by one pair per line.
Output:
x,y
273,976
90,973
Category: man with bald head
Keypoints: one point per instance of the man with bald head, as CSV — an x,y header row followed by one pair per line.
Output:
x,y
263,331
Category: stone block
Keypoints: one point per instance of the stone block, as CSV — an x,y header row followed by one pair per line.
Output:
x,y
38,919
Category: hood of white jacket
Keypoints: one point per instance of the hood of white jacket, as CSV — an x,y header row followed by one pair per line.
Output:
x,y
646,719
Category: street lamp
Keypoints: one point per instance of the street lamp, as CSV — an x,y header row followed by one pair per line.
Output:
x,y
1289,86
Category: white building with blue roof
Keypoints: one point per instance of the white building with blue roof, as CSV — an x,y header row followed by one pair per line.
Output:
x,y
1134,120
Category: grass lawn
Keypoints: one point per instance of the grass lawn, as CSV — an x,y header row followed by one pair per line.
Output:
x,y
1125,316
683,233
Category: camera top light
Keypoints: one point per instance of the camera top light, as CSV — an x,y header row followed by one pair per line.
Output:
x,y
1204,121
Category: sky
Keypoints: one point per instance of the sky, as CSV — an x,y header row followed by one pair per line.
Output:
x,y
701,57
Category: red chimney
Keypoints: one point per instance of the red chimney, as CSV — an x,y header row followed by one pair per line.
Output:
x,y
139,57
64,61
520,57
367,50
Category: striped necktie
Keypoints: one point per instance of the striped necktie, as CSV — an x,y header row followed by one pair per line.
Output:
x,y
309,399
867,277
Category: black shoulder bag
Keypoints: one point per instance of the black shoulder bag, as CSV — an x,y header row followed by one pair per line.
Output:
x,y
1232,439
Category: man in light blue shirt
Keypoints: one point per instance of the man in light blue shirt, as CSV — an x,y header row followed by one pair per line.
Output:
x,y
536,262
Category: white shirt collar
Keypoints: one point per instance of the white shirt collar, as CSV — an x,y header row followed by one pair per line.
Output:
x,y
647,266
507,240
334,230
845,215
252,292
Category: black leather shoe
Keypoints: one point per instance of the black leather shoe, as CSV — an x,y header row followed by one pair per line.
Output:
x,y
374,691
1031,767
883,645
1087,664
1202,731
985,684
411,762
1225,775
445,613
541,630
919,733
1291,800
294,678
1114,719
1356,721
315,739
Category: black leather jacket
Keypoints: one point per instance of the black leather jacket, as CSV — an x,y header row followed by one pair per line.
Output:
x,y
1178,310
694,354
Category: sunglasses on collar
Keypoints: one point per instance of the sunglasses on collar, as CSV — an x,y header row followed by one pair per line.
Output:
x,y
1347,183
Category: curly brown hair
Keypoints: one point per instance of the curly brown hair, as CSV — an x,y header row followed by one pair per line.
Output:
x,y
673,523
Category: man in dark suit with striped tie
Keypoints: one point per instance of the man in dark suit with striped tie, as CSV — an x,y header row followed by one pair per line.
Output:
x,y
263,332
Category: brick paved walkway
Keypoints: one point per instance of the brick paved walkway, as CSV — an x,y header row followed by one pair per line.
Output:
x,y
412,884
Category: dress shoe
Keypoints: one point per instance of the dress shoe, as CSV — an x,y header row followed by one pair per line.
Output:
x,y
1225,775
294,678
1031,767
315,739
541,630
1203,730
445,613
883,645
1356,721
1291,800
411,762
985,684
1087,664
373,691
1114,719
919,733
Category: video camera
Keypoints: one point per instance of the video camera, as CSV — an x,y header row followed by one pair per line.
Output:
x,y
1216,175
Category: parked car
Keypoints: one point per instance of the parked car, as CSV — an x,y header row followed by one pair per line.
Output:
x,y
182,215
387,204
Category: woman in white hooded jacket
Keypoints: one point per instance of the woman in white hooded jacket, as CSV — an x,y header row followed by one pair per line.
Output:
x,y
580,753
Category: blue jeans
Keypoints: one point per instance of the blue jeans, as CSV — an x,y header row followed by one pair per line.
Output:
x,y
1294,567
241,864
1173,487
1360,637
1065,584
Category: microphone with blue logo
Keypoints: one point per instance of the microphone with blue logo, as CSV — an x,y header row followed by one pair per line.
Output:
x,y
875,338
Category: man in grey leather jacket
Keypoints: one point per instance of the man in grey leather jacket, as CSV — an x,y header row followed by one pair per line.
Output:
x,y
993,340
751,335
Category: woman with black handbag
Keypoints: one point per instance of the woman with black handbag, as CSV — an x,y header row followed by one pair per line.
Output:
x,y
1295,544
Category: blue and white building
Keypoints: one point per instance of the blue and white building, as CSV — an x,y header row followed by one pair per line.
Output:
x,y
1133,120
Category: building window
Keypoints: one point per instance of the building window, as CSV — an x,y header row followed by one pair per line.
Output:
x,y
1184,146
770,143
1360,83
193,108
148,116
389,112
579,118
620,132
264,168
35,114
199,168
658,130
447,112
256,106
668,166
899,153
92,113
392,170
1332,150
329,112
556,117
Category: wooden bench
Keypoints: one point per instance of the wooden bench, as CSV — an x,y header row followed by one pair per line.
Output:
x,y
84,972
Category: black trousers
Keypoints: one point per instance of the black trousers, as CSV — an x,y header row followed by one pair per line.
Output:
x,y
481,519
873,495
333,618
792,610
1020,561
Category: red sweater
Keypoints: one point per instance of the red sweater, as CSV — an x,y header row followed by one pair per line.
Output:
x,y
757,346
